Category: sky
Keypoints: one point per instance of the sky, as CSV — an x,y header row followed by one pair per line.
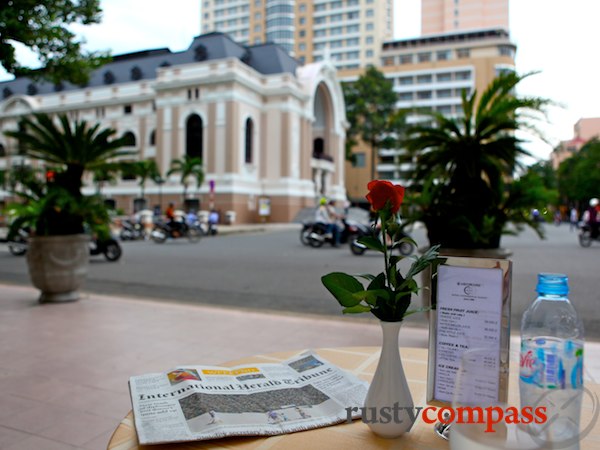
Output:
x,y
552,36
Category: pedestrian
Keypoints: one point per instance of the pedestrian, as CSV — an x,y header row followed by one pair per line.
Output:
x,y
213,220
592,217
573,218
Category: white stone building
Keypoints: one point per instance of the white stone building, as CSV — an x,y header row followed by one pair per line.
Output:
x,y
265,126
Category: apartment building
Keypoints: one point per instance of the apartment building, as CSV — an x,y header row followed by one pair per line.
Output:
x,y
348,32
584,130
429,74
450,16
269,131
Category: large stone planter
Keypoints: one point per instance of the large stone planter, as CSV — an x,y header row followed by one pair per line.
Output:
x,y
58,265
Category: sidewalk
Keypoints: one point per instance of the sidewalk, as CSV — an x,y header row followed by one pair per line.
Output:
x,y
65,367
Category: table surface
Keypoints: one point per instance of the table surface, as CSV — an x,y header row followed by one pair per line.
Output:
x,y
361,361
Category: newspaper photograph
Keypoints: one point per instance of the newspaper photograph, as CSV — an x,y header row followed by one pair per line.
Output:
x,y
207,402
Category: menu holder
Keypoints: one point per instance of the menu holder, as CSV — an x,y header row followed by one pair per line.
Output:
x,y
470,298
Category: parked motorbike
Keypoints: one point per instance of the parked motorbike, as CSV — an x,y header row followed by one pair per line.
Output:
x,y
131,231
315,234
405,248
585,234
110,247
163,231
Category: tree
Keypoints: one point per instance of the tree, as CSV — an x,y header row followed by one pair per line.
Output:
x,y
70,149
189,166
579,175
370,104
464,166
43,28
145,170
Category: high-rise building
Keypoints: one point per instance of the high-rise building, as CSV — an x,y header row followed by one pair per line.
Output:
x,y
447,16
429,73
349,32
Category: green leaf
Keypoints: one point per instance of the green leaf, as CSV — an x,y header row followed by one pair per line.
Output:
x,y
372,243
371,296
377,283
366,276
357,309
342,286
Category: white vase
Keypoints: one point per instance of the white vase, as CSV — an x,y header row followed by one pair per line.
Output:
x,y
388,400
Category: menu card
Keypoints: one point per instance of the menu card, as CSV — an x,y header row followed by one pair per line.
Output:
x,y
469,315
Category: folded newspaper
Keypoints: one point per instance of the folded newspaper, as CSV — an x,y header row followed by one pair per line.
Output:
x,y
195,403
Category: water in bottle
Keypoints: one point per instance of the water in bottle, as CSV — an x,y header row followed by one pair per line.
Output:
x,y
551,366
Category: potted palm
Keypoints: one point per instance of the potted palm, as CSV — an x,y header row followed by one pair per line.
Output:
x,y
55,208
464,167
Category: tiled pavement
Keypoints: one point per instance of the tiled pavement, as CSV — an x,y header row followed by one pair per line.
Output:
x,y
64,367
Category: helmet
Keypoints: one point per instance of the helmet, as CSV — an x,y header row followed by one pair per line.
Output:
x,y
323,201
594,202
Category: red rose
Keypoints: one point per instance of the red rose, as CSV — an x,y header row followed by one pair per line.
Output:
x,y
381,192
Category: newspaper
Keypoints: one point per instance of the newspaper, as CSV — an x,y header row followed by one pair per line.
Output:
x,y
206,402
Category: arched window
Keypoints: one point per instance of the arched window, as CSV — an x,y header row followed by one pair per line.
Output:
x,y
193,136
2,150
129,139
153,138
318,148
249,139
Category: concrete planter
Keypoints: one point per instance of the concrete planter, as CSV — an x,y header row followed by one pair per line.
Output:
x,y
58,265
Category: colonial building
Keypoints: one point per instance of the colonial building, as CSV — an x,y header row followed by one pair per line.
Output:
x,y
269,130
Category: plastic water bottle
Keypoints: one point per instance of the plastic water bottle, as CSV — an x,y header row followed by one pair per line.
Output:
x,y
551,366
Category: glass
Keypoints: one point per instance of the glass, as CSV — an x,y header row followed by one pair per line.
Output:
x,y
479,418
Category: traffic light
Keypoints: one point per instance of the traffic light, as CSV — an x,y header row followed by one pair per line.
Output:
x,y
50,176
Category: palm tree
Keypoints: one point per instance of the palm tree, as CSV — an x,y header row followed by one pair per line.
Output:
x,y
464,164
145,170
189,166
70,148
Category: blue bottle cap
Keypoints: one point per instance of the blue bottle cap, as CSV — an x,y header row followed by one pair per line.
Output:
x,y
553,283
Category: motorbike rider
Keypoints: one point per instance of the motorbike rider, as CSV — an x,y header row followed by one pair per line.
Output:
x,y
174,225
327,215
592,217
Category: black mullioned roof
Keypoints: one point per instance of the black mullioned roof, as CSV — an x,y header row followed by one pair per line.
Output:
x,y
266,58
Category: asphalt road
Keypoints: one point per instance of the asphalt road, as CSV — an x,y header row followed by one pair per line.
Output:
x,y
274,271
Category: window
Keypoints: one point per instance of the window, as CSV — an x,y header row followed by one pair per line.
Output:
x,y
370,26
128,172
369,13
369,53
444,93
359,160
463,53
302,7
443,55
424,57
303,33
406,59
464,75
193,137
129,138
152,140
444,109
2,150
424,95
424,79
442,77
388,61
369,40
127,109
248,145
302,20
505,50
405,96
302,47
404,81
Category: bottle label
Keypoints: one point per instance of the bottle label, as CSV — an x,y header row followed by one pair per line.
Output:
x,y
551,364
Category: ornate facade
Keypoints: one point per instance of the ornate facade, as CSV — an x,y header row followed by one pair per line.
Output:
x,y
268,130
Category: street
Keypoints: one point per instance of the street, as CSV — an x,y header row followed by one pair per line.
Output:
x,y
274,271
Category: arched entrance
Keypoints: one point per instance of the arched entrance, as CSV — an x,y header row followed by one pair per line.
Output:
x,y
322,138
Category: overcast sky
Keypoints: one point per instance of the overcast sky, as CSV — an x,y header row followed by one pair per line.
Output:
x,y
552,36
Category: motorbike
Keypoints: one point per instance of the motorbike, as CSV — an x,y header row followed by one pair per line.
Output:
x,y
163,231
131,231
110,247
404,247
315,234
585,234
